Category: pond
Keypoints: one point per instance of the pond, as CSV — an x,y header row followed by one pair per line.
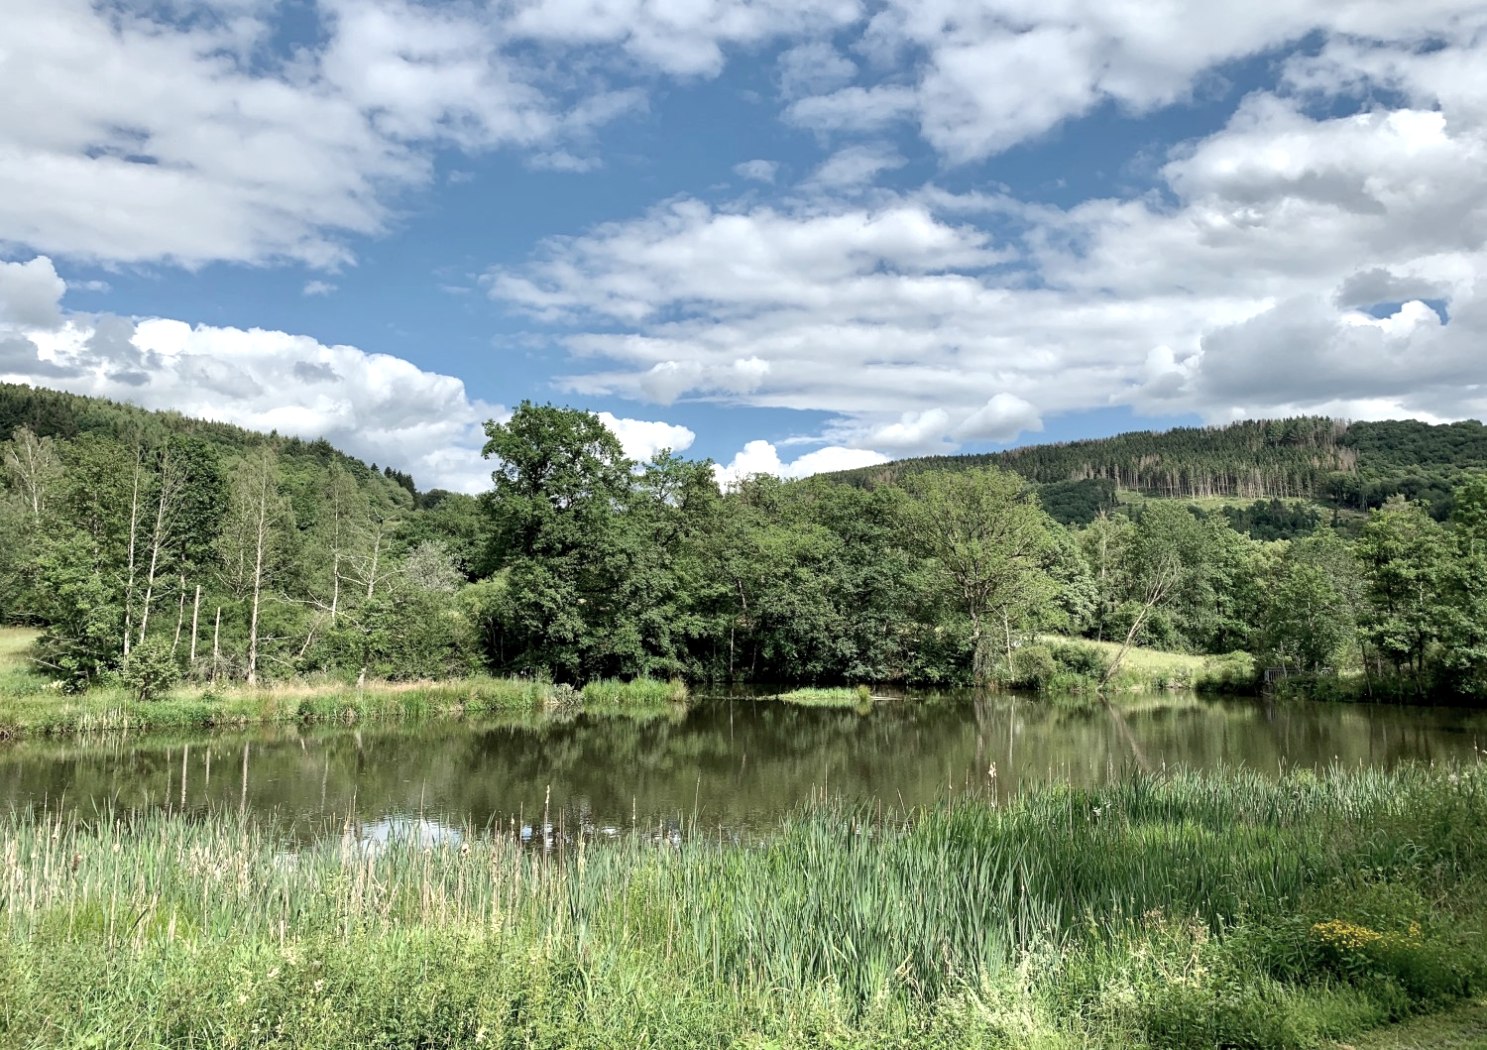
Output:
x,y
728,767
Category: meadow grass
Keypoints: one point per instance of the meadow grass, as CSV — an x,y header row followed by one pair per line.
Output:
x,y
1180,911
828,697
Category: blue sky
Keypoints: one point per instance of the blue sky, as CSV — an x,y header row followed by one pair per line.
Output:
x,y
789,236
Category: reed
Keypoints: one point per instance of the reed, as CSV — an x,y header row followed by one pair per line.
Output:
x,y
104,708
828,697
1161,911
638,692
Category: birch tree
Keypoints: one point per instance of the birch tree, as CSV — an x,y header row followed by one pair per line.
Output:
x,y
252,539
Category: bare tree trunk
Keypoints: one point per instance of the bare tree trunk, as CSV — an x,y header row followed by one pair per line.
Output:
x,y
133,531
217,644
171,481
175,643
1156,592
376,554
253,621
195,612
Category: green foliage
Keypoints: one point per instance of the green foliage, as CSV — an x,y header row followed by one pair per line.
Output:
x,y
149,671
255,557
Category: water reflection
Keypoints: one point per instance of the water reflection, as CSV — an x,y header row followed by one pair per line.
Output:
x,y
729,767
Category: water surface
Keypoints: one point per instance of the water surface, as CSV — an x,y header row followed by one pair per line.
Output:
x,y
727,767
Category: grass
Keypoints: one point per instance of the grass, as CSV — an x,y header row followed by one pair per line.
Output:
x,y
1075,665
1174,912
638,692
29,705
1461,1029
828,697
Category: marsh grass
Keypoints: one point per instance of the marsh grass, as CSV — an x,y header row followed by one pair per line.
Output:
x,y
1163,912
638,692
842,697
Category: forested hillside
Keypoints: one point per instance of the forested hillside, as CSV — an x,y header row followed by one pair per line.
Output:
x,y
149,548
1354,465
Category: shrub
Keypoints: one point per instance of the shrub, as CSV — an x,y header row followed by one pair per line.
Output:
x,y
1033,667
150,670
1230,673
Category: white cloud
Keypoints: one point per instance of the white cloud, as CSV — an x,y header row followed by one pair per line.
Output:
x,y
813,68
643,439
758,170
994,73
318,288
182,132
855,166
31,294
684,37
1003,418
761,457
381,408
1244,287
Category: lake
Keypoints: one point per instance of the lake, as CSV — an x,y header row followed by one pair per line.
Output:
x,y
728,767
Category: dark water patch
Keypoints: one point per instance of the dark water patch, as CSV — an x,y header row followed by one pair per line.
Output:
x,y
726,767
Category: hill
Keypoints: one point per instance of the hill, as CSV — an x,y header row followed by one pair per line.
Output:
x,y
1348,465
67,417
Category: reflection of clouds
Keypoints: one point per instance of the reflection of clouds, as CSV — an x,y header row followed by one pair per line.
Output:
x,y
396,830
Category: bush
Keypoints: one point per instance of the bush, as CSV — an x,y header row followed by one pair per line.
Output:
x,y
150,670
1231,673
1083,661
1033,667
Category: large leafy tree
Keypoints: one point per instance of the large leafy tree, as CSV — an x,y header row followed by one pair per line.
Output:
x,y
560,483
1406,557
986,539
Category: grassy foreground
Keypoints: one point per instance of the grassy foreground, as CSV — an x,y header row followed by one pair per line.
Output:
x,y
29,705
1176,912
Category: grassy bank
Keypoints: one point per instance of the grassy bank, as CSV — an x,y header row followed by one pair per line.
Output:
x,y
1056,665
1178,912
30,705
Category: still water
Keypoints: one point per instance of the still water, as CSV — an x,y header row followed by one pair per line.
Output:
x,y
723,767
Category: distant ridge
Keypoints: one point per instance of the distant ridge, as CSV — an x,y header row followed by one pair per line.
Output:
x,y
1356,465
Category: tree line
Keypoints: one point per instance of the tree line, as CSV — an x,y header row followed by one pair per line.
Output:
x,y
146,550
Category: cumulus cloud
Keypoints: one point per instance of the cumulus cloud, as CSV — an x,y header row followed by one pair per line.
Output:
x,y
761,457
1301,257
994,73
643,439
184,132
381,408
31,293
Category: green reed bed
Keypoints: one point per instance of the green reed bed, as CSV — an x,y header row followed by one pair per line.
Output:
x,y
828,697
638,692
52,712
1188,911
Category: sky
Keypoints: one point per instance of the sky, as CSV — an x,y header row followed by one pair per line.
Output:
x,y
787,235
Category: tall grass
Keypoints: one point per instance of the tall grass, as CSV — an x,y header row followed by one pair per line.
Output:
x,y
638,692
1165,912
828,697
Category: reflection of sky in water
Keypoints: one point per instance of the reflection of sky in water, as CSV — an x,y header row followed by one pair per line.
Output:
x,y
728,769
399,830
